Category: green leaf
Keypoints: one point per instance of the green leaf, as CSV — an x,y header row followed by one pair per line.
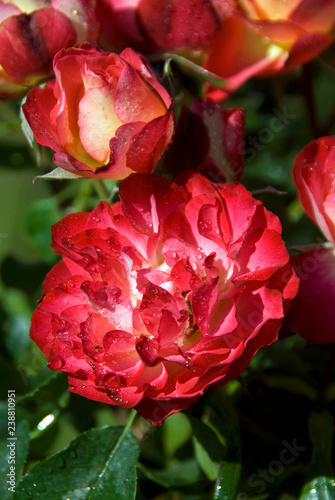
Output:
x,y
58,174
320,488
226,425
209,451
16,193
322,483
47,399
194,70
227,482
295,385
28,133
16,336
97,465
321,429
182,474
13,454
51,388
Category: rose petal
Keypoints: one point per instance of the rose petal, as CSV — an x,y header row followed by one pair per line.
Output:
x,y
314,16
82,16
135,100
98,121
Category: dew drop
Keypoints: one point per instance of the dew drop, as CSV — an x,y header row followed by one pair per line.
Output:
x,y
171,254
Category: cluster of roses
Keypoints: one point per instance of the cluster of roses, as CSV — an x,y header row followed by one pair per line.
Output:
x,y
175,287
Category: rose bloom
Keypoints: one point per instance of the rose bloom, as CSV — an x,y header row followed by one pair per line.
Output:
x,y
163,294
263,37
313,313
105,115
28,44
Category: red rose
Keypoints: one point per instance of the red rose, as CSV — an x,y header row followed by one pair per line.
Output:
x,y
263,37
28,45
313,314
157,297
105,115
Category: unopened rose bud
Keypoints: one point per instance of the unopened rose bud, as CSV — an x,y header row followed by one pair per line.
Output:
x,y
30,39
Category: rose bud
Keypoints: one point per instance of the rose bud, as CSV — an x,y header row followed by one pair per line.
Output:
x,y
314,177
167,292
209,140
105,115
313,312
264,37
28,45
182,26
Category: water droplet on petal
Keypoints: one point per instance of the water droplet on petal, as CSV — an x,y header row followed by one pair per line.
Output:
x,y
171,254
